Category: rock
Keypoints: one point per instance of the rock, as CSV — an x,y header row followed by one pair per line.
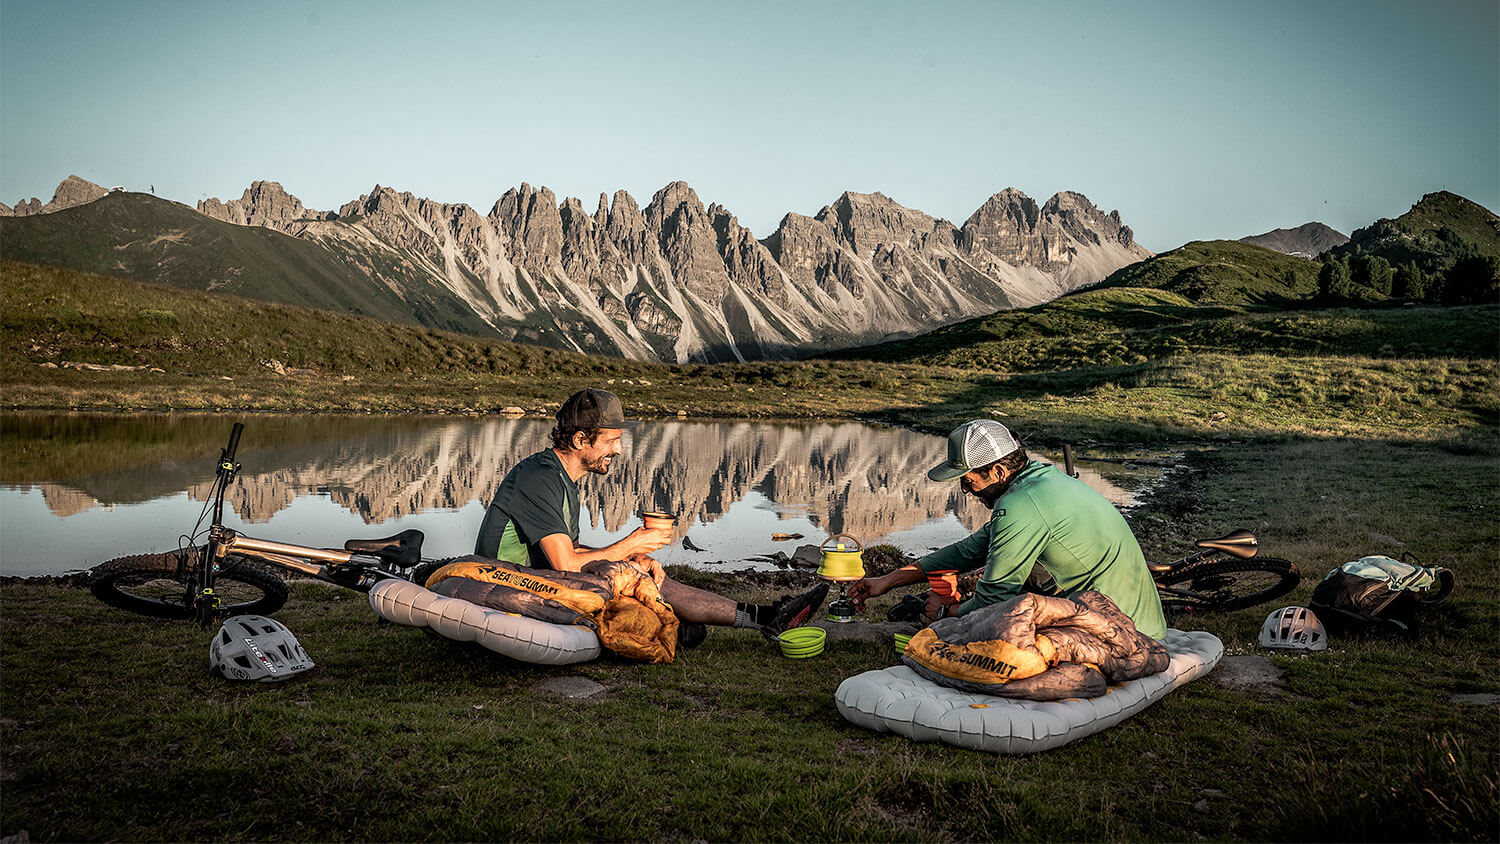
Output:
x,y
571,688
264,204
864,631
807,556
512,410
71,192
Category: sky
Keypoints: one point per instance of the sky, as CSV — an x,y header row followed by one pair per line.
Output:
x,y
1195,120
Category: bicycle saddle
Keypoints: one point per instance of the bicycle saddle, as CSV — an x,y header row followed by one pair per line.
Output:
x,y
1239,543
403,549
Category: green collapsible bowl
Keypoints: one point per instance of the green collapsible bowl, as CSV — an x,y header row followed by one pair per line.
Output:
x,y
803,642
901,640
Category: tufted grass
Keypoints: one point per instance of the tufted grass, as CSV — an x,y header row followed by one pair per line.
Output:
x,y
110,730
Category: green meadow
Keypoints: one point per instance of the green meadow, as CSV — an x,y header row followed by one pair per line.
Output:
x,y
1331,433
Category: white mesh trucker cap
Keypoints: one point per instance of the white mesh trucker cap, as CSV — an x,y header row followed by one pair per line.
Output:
x,y
972,445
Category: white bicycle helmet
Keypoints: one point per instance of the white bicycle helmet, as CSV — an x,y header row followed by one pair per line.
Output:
x,y
253,647
1295,629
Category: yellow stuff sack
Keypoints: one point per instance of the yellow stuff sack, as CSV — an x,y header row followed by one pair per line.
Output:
x,y
986,662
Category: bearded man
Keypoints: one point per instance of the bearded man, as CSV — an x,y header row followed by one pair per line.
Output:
x,y
1038,514
533,521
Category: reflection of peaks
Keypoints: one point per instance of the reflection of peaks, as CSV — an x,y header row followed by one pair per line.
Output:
x,y
847,477
65,501
399,474
850,478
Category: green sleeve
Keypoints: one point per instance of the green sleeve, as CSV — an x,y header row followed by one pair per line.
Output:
x,y
1018,534
964,555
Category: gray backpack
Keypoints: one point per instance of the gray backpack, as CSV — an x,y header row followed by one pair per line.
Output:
x,y
1378,594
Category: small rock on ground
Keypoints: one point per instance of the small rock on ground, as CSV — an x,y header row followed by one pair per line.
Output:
x,y
864,631
572,688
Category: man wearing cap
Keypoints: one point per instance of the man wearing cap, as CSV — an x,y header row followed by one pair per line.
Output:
x,y
533,521
1038,515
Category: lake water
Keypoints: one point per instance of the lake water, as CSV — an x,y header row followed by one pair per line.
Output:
x,y
76,489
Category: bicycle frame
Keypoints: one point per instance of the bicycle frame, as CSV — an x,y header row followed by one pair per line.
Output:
x,y
355,568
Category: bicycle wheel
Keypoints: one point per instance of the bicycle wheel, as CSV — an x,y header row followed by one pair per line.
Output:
x,y
1226,585
159,585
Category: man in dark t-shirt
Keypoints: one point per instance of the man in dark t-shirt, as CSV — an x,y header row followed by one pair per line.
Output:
x,y
536,499
533,521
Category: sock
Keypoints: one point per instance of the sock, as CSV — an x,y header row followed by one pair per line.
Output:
x,y
747,615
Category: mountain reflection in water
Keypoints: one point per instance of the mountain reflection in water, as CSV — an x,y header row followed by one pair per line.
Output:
x,y
80,489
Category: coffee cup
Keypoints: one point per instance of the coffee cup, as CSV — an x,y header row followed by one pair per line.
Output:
x,y
658,521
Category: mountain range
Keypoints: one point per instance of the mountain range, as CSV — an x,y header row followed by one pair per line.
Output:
x,y
675,281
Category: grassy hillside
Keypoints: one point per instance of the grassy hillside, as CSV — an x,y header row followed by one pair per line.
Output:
x,y
1126,365
1437,231
1223,272
148,239
1119,326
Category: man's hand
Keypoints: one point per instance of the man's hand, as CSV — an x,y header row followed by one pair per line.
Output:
x,y
873,587
938,604
865,588
644,541
648,565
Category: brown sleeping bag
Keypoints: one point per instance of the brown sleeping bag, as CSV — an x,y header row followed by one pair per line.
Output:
x,y
1037,647
614,599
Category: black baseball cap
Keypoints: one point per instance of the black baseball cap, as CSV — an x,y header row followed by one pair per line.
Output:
x,y
591,408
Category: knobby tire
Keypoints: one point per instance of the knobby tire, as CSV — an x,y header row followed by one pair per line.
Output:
x,y
1226,585
158,585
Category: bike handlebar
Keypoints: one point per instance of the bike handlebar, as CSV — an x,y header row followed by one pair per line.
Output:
x,y
234,442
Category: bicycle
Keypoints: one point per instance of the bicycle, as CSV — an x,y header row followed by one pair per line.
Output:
x,y
1223,575
234,574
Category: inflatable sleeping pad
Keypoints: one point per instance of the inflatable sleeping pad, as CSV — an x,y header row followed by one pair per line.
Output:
x,y
516,636
900,701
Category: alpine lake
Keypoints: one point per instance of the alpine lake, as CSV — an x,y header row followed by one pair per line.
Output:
x,y
79,489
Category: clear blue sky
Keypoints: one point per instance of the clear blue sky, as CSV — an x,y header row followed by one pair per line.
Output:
x,y
1196,120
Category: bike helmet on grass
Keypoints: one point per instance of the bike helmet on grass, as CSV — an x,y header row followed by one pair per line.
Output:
x,y
1293,628
253,647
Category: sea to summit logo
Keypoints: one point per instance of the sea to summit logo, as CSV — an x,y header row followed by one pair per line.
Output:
x,y
523,582
944,651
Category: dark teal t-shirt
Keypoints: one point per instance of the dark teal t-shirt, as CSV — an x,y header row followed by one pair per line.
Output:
x,y
1074,532
536,499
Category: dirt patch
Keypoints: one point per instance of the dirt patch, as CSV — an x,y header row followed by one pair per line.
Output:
x,y
1250,675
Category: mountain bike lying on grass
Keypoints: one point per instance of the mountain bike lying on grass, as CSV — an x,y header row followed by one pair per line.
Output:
x,y
233,574
1224,574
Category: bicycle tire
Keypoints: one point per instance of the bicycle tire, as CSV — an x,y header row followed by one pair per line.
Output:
x,y
158,585
1226,585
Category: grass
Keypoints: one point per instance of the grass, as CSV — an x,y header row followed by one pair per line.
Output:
x,y
1328,433
401,736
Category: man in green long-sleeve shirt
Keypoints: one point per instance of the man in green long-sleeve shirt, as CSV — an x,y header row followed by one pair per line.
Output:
x,y
1038,515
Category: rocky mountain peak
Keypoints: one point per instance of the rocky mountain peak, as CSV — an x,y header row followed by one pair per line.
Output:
x,y
71,192
864,221
1083,221
264,204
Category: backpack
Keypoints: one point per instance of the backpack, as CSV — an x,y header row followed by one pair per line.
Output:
x,y
1378,594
